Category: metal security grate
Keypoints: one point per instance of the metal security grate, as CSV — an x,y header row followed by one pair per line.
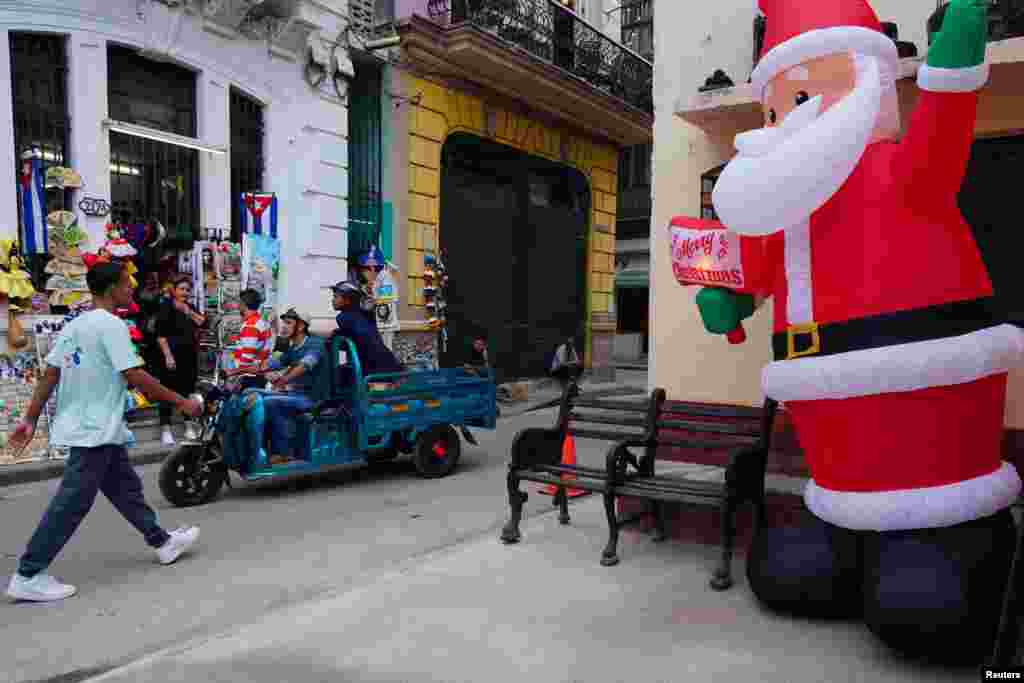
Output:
x,y
150,179
39,88
246,152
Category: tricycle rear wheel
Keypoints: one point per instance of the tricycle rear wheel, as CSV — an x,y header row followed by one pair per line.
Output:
x,y
192,475
437,451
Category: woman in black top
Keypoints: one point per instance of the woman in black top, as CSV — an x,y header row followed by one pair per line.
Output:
x,y
177,335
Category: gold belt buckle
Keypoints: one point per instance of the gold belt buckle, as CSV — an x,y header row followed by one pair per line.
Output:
x,y
806,328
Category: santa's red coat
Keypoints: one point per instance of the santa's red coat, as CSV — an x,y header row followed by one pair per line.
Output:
x,y
904,436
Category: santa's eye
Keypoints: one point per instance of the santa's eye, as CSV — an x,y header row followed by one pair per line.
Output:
x,y
772,116
801,97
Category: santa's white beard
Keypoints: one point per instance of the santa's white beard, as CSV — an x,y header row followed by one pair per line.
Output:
x,y
784,174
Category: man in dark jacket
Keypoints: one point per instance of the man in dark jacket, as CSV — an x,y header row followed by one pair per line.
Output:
x,y
374,356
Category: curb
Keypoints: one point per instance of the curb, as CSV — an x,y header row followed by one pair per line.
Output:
x,y
29,472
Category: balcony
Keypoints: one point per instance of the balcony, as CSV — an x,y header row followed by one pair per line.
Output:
x,y
538,52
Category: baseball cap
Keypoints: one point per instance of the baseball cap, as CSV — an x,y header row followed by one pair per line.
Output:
x,y
294,314
348,288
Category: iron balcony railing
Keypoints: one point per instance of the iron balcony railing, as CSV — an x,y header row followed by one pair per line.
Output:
x,y
554,34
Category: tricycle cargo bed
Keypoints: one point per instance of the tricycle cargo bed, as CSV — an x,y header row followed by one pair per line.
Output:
x,y
416,400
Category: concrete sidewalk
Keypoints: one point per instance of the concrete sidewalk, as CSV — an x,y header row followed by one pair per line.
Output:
x,y
542,610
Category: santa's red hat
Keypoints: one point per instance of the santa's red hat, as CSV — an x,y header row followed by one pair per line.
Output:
x,y
800,31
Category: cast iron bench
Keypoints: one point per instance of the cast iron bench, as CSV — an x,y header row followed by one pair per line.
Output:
x,y
746,432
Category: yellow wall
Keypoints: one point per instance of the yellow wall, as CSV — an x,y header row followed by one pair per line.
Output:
x,y
441,111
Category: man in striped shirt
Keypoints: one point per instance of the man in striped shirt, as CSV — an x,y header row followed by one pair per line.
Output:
x,y
254,341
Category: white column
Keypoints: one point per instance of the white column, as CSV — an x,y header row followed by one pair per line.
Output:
x,y
8,156
214,127
90,142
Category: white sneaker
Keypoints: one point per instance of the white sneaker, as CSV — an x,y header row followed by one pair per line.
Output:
x,y
40,588
167,438
180,541
190,432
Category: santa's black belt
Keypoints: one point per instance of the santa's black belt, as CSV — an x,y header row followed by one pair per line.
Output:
x,y
888,329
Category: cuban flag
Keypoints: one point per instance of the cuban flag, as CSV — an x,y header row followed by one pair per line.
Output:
x,y
253,205
33,213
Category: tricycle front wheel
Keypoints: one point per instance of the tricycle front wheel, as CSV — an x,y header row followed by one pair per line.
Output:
x,y
192,475
437,451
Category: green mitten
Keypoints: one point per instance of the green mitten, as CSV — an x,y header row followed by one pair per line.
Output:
x,y
960,43
723,310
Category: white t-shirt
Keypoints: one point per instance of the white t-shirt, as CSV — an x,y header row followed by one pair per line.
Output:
x,y
92,351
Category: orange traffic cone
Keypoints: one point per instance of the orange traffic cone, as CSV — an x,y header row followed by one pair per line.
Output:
x,y
568,458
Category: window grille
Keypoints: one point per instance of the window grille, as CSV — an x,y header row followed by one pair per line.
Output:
x,y
150,179
246,152
40,108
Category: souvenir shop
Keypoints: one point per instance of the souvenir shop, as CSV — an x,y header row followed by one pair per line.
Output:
x,y
180,142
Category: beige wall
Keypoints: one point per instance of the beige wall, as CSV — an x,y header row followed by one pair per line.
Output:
x,y
691,41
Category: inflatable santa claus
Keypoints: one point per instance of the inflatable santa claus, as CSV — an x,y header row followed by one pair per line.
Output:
x,y
891,353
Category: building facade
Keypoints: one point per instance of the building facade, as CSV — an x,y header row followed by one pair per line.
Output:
x,y
693,137
632,250
168,110
502,155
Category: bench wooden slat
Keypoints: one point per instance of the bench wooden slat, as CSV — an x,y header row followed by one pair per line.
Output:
x,y
604,436
703,410
622,420
705,445
711,427
629,406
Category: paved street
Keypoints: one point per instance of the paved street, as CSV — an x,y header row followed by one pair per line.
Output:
x,y
262,548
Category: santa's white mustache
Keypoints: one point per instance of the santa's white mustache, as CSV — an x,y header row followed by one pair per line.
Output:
x,y
782,175
761,141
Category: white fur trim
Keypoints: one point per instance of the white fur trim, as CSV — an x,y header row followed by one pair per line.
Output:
x,y
937,79
902,367
819,43
799,288
924,508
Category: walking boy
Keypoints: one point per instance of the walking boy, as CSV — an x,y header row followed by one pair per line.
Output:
x,y
93,361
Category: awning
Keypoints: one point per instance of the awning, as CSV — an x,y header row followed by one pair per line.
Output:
x,y
633,278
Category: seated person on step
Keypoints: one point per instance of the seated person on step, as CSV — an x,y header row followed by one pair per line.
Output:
x,y
374,356
302,383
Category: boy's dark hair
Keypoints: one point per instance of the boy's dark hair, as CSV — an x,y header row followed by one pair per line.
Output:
x,y
103,276
251,299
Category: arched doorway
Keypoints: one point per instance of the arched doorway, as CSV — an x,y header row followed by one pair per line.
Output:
x,y
513,229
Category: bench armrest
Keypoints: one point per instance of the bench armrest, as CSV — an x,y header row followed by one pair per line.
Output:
x,y
746,470
536,446
619,457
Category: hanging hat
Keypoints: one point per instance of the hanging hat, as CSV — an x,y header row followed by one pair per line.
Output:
x,y
61,220
800,31
72,179
159,233
54,178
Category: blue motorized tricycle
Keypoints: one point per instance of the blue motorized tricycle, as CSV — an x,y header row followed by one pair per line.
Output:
x,y
365,419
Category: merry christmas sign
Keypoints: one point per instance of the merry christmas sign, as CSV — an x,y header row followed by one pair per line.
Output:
x,y
705,252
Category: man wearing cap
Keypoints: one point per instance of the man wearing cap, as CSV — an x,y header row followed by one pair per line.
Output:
x,y
374,355
303,381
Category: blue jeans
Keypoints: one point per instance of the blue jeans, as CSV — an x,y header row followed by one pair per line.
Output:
x,y
281,410
87,472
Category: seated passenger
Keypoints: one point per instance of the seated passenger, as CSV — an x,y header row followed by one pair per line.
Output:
x,y
374,356
303,382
